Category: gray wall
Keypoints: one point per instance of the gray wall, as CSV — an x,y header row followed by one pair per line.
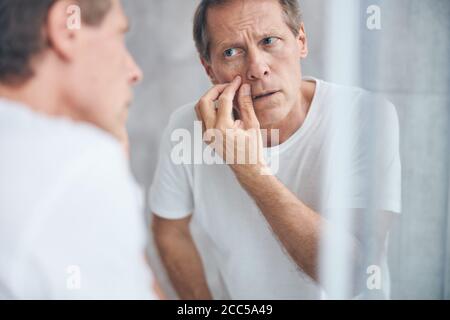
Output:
x,y
408,60
413,67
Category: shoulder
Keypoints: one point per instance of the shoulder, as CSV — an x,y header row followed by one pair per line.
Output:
x,y
42,137
359,104
183,118
47,162
68,186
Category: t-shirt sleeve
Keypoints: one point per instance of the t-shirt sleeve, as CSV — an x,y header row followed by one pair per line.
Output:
x,y
371,176
387,170
91,241
171,194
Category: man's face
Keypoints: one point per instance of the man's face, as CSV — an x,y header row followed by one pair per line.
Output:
x,y
103,73
251,39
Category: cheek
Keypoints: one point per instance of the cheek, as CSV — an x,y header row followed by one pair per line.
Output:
x,y
108,57
288,68
110,72
226,72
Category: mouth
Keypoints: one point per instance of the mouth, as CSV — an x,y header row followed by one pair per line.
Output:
x,y
264,95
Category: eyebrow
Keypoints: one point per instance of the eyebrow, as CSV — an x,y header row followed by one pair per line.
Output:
x,y
234,44
227,45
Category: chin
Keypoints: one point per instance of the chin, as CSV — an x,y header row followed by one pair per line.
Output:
x,y
268,118
270,114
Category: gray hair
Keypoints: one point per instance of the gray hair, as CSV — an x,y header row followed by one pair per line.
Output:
x,y
291,10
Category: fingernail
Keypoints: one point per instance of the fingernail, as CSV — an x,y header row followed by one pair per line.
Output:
x,y
238,78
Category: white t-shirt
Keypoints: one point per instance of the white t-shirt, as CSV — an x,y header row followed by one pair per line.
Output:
x,y
332,149
71,219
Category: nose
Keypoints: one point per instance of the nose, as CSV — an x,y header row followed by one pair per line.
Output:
x,y
135,73
257,66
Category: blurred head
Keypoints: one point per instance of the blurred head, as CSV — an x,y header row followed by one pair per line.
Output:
x,y
262,41
90,68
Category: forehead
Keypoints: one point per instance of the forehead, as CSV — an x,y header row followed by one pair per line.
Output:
x,y
230,20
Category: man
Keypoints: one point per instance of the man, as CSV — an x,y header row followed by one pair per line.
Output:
x,y
337,149
71,225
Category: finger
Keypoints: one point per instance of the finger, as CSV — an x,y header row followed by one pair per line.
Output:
x,y
246,108
214,93
197,112
225,111
199,117
206,106
238,124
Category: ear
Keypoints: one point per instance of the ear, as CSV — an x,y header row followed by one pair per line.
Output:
x,y
209,71
62,37
302,42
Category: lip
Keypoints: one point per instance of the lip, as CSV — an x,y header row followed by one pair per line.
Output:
x,y
265,94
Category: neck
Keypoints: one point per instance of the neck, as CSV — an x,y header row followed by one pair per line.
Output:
x,y
42,93
295,118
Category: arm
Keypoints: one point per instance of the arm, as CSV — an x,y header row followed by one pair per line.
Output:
x,y
181,258
292,221
298,227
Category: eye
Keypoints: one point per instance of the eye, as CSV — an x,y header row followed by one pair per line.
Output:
x,y
269,41
230,52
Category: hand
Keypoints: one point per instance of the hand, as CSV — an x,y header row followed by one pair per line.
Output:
x,y
238,142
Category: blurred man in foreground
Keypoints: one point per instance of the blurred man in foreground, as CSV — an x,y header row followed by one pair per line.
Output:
x,y
71,224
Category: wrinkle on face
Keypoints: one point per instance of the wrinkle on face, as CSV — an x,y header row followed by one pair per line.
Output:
x,y
252,23
243,25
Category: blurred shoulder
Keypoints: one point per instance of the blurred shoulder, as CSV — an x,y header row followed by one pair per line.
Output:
x,y
183,117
